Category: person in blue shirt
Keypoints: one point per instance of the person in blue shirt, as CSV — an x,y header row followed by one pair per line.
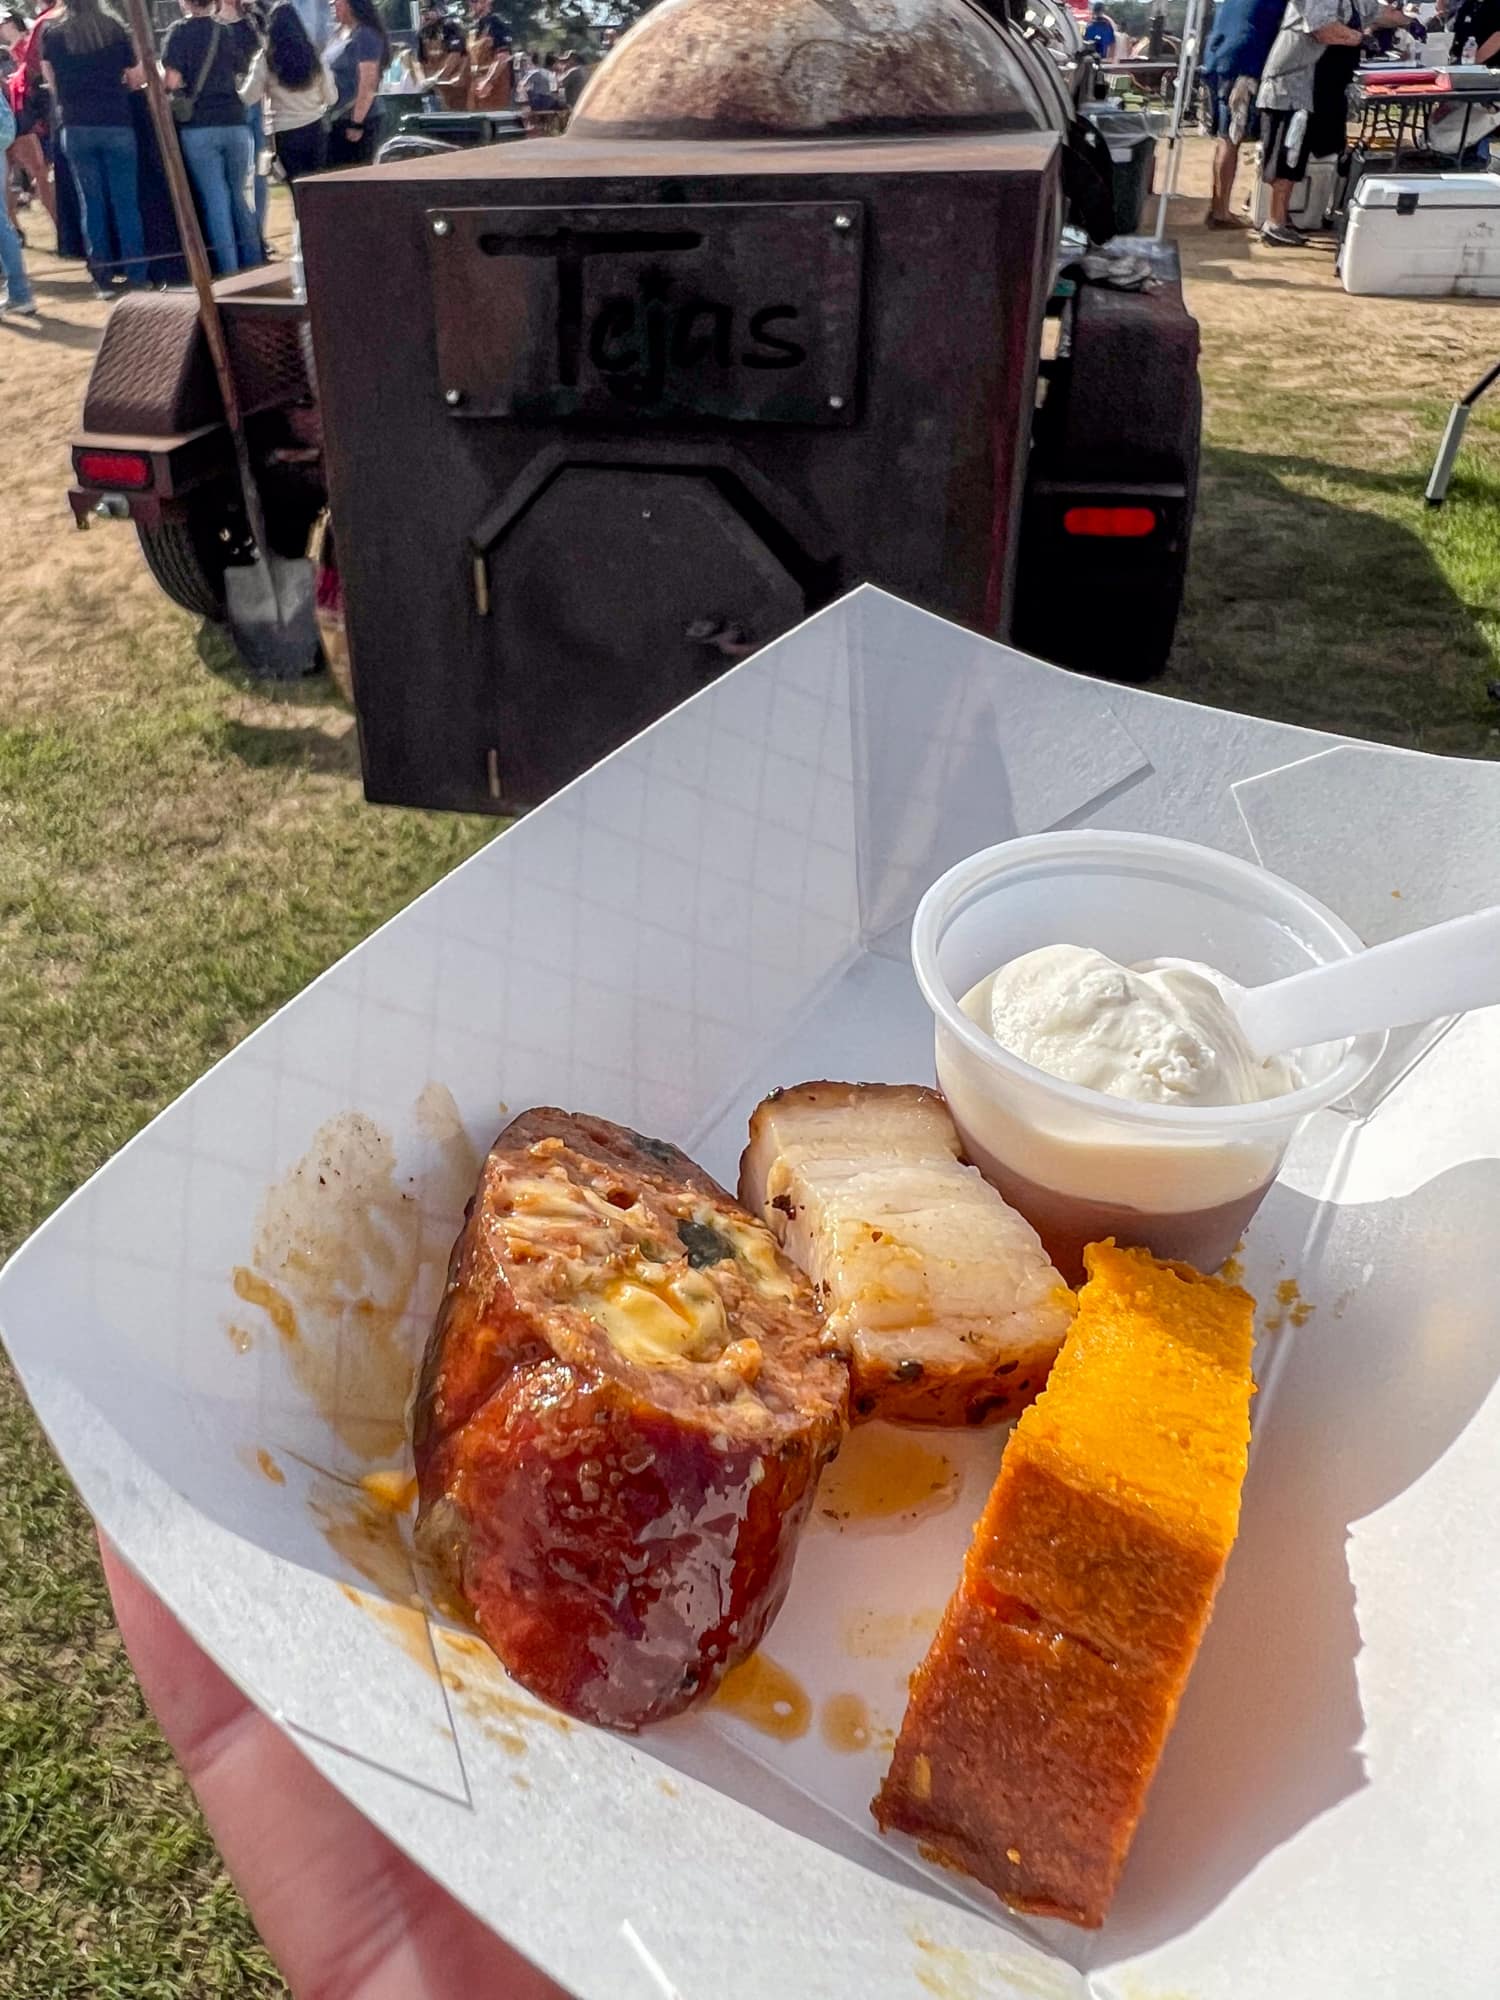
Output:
x,y
356,58
1233,57
1101,34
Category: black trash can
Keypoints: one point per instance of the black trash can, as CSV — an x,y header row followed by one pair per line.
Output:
x,y
1132,148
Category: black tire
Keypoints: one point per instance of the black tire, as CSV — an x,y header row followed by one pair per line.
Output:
x,y
1158,651
1150,653
1110,608
182,559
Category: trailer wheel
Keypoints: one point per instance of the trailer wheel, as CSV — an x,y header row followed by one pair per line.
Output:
x,y
1147,652
188,563
1138,613
1118,438
1158,635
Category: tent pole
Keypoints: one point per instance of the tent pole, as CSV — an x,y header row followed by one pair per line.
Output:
x,y
1182,98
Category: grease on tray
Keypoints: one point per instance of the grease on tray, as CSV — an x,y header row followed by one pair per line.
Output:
x,y
763,1694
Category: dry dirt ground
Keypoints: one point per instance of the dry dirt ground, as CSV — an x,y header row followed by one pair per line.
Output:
x,y
72,596
1321,590
1322,412
65,591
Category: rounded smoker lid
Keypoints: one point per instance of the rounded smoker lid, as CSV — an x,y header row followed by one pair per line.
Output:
x,y
749,69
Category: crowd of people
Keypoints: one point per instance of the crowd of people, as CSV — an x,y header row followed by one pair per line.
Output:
x,y
299,80
1278,72
470,65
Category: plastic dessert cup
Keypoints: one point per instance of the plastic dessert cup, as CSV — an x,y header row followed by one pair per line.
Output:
x,y
1183,1181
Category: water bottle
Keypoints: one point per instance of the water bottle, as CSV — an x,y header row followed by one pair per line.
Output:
x,y
1470,50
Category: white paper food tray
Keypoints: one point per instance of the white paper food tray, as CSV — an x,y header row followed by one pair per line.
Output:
x,y
721,907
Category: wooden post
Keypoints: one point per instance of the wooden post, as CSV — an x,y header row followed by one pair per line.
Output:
x,y
196,252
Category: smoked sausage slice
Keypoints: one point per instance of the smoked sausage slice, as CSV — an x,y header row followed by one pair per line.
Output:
x,y
626,1404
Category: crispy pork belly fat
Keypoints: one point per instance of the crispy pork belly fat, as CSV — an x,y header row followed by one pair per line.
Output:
x,y
950,1308
626,1403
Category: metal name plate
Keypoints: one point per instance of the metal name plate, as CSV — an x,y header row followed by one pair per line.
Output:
x,y
740,312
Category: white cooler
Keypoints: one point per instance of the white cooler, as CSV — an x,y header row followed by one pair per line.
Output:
x,y
1423,236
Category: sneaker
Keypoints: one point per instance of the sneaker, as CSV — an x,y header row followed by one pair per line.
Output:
x,y
30,311
1281,236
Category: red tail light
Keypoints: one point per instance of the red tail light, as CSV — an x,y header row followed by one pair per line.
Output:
x,y
128,469
1127,524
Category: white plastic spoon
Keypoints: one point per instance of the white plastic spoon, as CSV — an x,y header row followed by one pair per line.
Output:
x,y
1445,969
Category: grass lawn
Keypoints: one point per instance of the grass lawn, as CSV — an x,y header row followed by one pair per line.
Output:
x,y
180,853
1323,590
179,857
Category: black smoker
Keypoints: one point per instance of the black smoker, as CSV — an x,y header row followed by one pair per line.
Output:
x,y
604,413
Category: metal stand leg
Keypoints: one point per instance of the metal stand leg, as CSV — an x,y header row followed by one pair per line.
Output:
x,y
1442,469
1453,437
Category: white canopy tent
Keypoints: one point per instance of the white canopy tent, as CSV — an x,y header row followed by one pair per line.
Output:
x,y
1189,64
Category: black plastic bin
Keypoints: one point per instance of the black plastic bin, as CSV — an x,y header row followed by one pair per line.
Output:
x,y
1132,148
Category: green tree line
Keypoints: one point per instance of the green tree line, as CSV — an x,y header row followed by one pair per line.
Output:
x,y
549,24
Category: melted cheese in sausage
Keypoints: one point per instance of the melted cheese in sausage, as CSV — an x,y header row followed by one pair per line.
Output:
x,y
603,1257
652,1320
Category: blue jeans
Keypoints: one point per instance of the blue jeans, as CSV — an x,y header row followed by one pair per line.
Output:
x,y
11,261
104,165
255,118
219,160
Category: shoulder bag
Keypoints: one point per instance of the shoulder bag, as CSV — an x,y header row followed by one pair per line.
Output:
x,y
185,102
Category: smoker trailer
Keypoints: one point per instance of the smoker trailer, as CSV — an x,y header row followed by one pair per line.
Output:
x,y
597,415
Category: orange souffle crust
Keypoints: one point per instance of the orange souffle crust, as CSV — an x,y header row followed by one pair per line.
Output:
x,y
1038,1717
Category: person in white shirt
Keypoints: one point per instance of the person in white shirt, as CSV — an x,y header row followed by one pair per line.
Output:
x,y
539,89
297,91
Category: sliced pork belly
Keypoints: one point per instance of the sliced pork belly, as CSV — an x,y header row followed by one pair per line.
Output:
x,y
950,1308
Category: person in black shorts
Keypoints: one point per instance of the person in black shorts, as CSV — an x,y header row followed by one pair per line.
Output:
x,y
1304,94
